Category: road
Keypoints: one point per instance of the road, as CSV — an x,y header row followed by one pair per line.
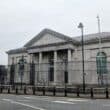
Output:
x,y
29,102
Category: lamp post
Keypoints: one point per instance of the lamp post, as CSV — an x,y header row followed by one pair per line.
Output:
x,y
82,44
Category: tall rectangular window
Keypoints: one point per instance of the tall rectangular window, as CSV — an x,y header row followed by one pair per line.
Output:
x,y
51,70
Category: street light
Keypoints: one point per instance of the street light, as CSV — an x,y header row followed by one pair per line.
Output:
x,y
82,44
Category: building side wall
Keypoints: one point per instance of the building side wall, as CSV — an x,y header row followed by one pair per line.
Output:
x,y
16,58
90,53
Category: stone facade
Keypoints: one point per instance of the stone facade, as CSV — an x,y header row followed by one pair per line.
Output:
x,y
64,54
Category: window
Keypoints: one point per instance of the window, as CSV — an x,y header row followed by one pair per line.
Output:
x,y
65,70
32,73
21,64
12,72
101,61
51,70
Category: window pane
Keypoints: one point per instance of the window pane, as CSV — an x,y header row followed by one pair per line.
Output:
x,y
101,63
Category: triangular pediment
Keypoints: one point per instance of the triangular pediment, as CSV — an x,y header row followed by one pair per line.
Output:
x,y
47,37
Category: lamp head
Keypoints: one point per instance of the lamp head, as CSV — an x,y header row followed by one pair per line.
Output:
x,y
80,25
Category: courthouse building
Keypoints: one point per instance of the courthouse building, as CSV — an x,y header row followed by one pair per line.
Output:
x,y
57,59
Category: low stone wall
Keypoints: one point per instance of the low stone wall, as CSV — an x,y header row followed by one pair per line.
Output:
x,y
94,92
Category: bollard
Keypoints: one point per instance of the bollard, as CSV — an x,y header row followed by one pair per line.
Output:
x,y
65,92
107,93
34,90
92,93
77,92
54,91
9,90
25,90
16,90
43,91
1,89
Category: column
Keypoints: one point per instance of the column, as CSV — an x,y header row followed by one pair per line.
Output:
x,y
55,67
69,55
30,73
31,57
40,57
39,73
70,73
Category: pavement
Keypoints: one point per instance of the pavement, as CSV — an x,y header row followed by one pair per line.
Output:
x,y
31,102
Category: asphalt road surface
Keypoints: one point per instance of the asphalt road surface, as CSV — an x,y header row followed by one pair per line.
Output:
x,y
29,102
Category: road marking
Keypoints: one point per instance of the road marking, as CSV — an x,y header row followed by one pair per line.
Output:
x,y
27,105
78,100
28,97
23,104
106,105
9,100
70,100
38,98
63,102
23,100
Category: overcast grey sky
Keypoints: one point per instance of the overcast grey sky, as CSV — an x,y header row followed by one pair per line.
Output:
x,y
21,20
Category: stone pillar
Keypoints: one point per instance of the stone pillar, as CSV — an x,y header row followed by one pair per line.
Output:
x,y
29,69
69,55
31,58
39,74
55,67
40,57
69,66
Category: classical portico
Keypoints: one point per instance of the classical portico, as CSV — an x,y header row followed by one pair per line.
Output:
x,y
54,58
